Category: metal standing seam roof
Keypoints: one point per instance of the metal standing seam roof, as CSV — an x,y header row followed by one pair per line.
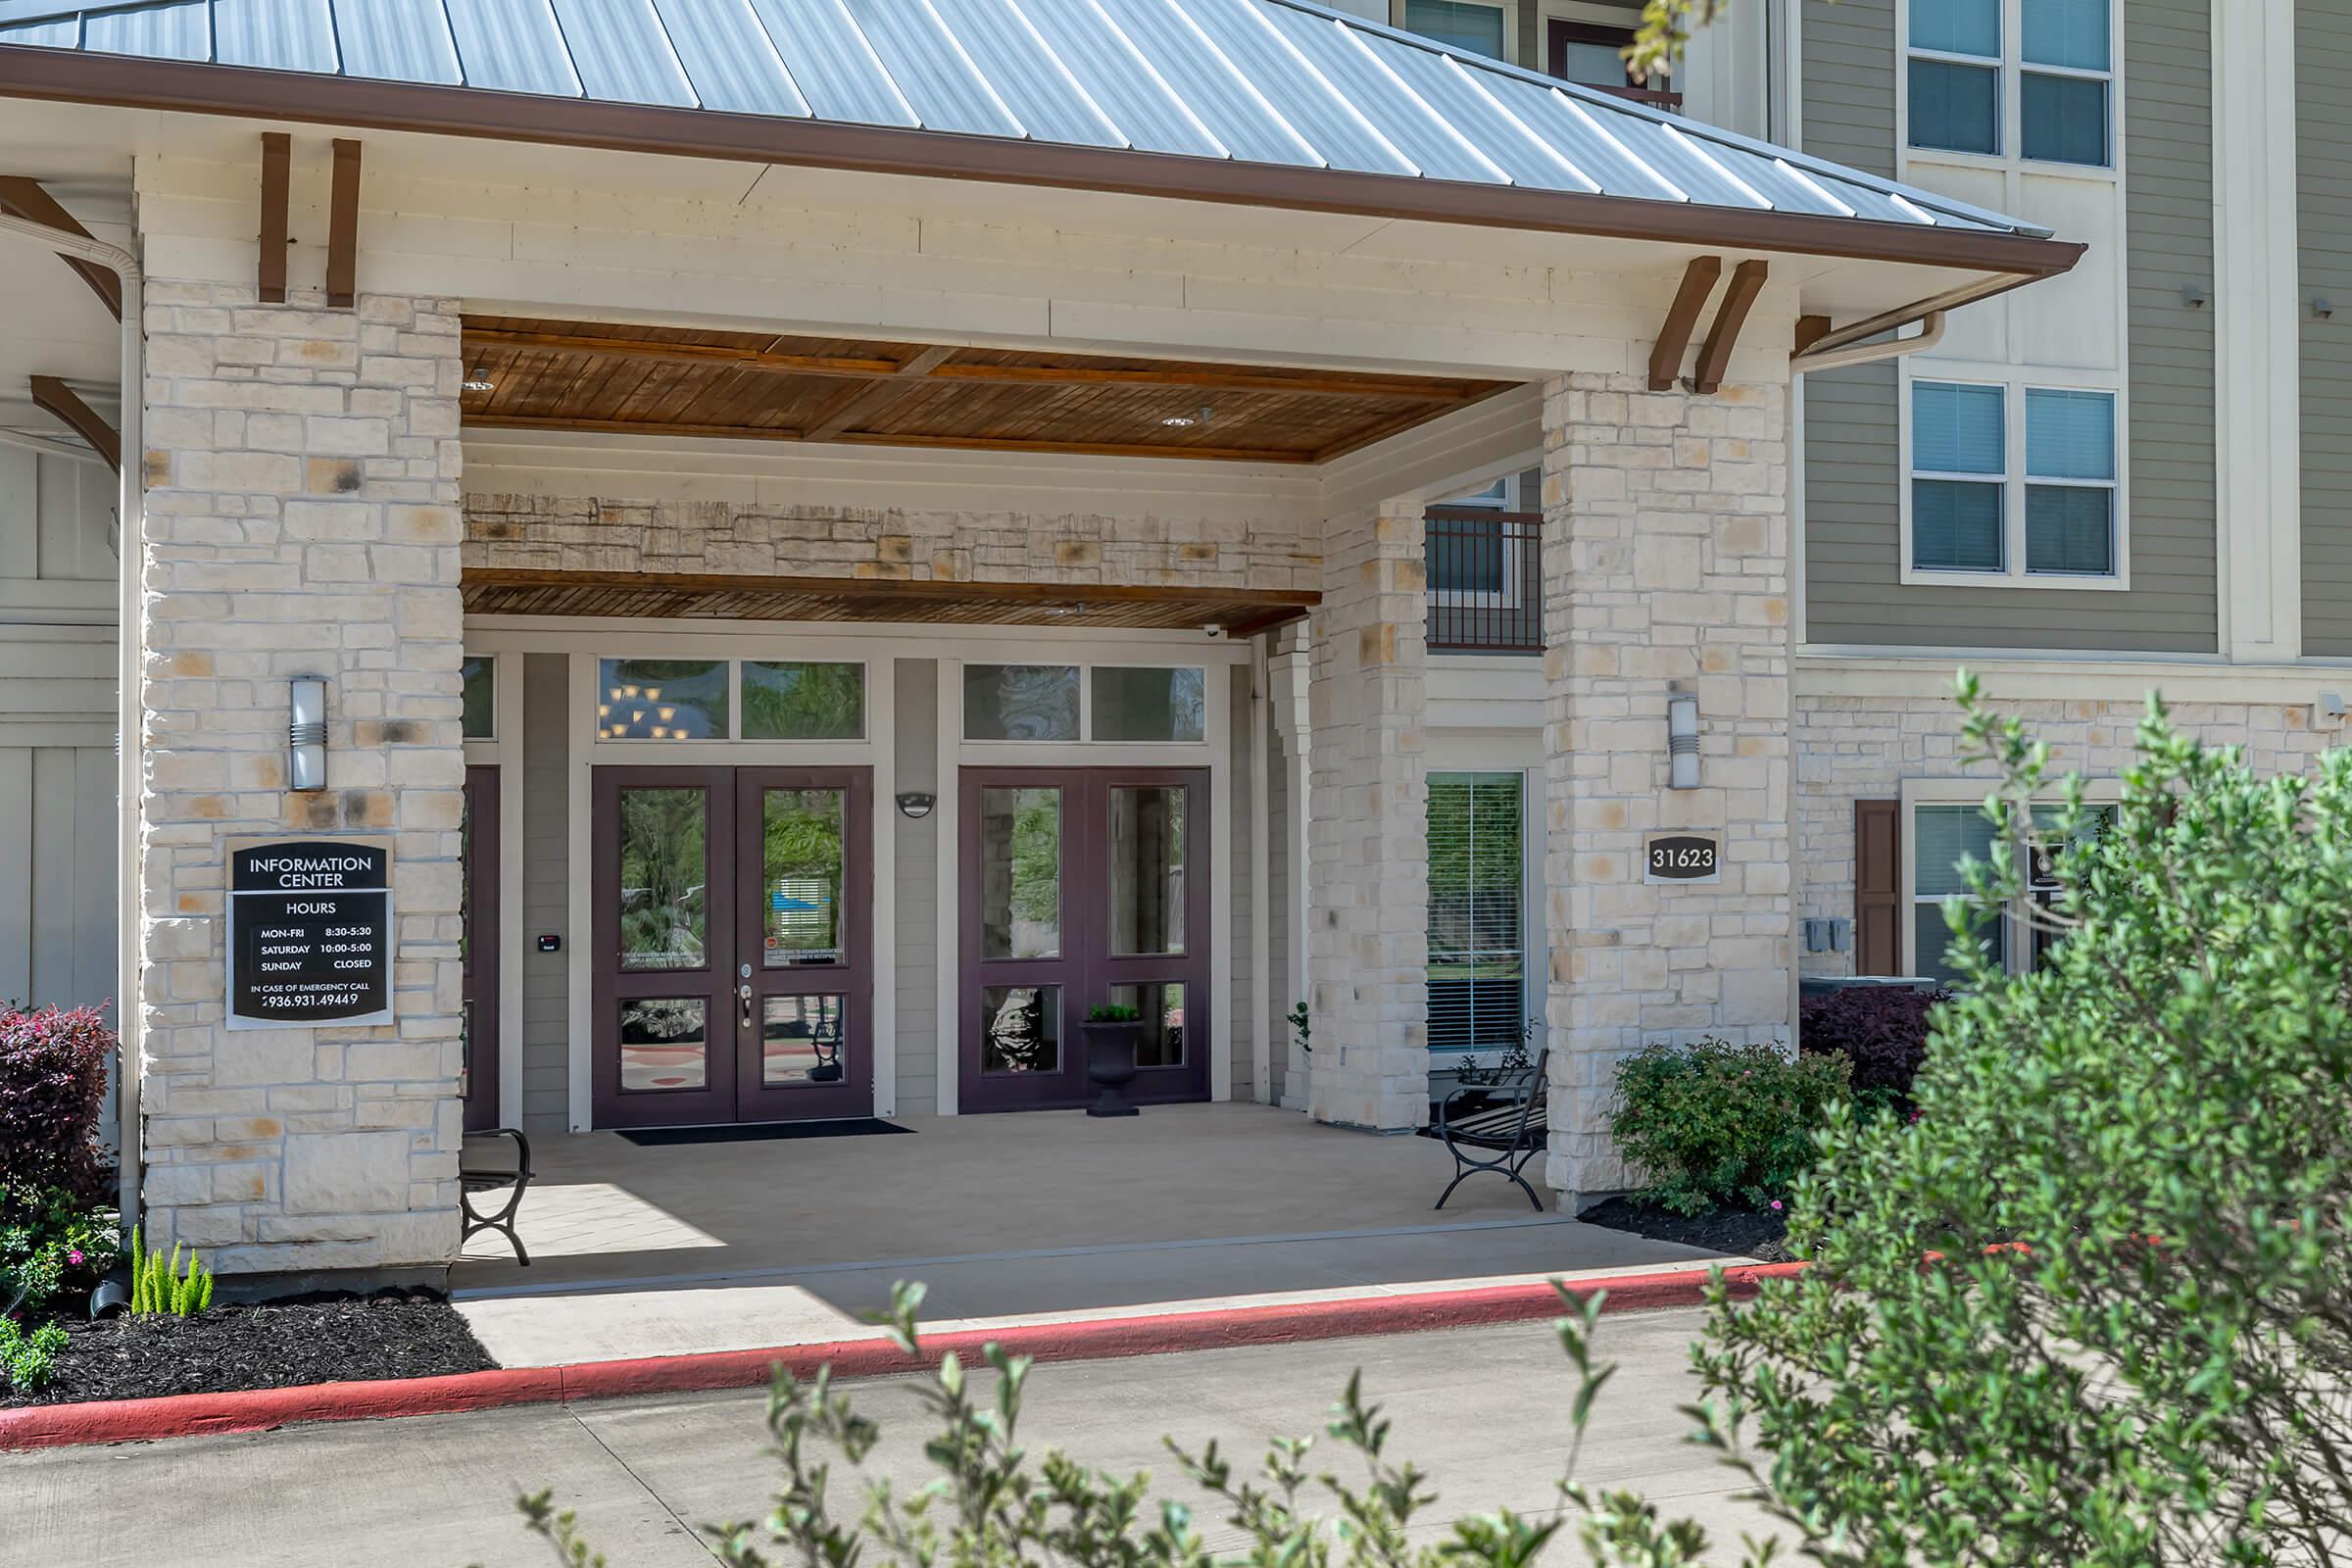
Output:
x,y
1278,82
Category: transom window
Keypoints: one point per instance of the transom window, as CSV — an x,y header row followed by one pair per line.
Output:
x,y
1976,508
1972,61
667,700
1073,703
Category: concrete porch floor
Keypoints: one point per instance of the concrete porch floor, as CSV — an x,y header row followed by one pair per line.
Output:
x,y
662,1251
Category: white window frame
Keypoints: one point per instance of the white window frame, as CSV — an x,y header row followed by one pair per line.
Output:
x,y
2016,948
2015,381
1531,879
2009,95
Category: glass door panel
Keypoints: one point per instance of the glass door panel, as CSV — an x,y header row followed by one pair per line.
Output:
x,y
805,984
664,882
479,947
1145,841
801,848
1020,873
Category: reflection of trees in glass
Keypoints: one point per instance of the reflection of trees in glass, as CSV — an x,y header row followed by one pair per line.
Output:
x,y
1476,958
803,846
1020,701
1037,857
478,686
1150,704
663,698
803,701
663,920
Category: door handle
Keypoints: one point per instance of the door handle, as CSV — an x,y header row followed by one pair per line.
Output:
x,y
744,995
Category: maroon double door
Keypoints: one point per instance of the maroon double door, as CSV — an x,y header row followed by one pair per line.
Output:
x,y
734,957
1082,887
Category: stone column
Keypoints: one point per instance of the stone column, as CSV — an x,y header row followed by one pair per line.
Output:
x,y
1368,854
1665,564
302,520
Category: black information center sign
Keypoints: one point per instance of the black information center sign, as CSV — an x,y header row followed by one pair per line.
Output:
x,y
310,934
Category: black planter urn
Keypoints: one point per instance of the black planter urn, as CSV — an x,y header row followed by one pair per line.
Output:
x,y
1110,1066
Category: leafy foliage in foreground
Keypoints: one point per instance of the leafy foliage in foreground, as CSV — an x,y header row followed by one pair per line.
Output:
x,y
27,1359
2133,1160
991,1505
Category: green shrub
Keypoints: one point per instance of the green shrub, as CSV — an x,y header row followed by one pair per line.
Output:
x,y
2136,1163
27,1359
993,1504
51,1241
158,1288
1714,1123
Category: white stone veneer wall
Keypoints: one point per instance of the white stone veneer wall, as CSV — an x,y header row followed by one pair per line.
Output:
x,y
586,533
1852,748
1368,841
301,520
1665,562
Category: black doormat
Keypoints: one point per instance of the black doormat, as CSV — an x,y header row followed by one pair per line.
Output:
x,y
762,1132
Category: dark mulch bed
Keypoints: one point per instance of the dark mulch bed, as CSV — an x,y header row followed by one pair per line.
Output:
x,y
274,1345
1745,1232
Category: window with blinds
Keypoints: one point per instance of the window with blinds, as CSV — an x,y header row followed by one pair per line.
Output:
x,y
1477,910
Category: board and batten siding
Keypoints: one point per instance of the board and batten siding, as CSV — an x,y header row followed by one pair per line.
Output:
x,y
2323,198
546,890
914,897
1854,595
57,519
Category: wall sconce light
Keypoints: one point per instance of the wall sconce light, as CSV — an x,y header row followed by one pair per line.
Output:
x,y
916,805
1682,741
306,734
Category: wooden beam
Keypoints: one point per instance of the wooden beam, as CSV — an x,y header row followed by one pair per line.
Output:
x,y
1748,282
343,228
1810,329
61,401
1205,379
869,395
1238,600
24,198
488,420
277,159
1682,316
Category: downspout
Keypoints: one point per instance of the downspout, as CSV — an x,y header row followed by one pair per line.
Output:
x,y
130,638
1930,333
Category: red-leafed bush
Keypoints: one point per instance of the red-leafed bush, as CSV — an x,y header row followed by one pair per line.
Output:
x,y
1881,1031
53,1065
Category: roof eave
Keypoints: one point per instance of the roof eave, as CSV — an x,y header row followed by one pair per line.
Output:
x,y
120,81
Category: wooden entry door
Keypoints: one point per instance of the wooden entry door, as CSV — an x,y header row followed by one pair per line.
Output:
x,y
1082,886
733,961
478,834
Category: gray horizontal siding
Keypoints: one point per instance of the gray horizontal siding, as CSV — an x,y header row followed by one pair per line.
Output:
x,y
546,893
2324,192
1853,443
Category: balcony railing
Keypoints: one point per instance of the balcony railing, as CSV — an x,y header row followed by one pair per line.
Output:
x,y
1486,580
1656,97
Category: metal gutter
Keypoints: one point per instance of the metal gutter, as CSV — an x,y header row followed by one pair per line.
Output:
x,y
129,636
279,95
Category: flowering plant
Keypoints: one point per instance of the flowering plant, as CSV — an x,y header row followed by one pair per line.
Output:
x,y
51,1241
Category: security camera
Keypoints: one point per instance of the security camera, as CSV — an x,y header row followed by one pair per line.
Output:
x,y
1213,633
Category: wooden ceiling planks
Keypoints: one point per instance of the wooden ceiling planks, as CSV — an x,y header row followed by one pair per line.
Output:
x,y
524,591
620,377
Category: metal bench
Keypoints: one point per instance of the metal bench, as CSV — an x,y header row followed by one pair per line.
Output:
x,y
1514,1132
488,1179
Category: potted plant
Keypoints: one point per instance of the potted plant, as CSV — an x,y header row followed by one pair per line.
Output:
x,y
1111,1032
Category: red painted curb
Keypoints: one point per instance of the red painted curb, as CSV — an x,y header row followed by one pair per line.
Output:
x,y
1086,1340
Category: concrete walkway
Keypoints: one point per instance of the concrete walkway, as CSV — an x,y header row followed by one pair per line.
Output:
x,y
743,1246
1481,1409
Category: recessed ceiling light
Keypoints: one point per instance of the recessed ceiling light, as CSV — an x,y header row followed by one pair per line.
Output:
x,y
1185,421
478,379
